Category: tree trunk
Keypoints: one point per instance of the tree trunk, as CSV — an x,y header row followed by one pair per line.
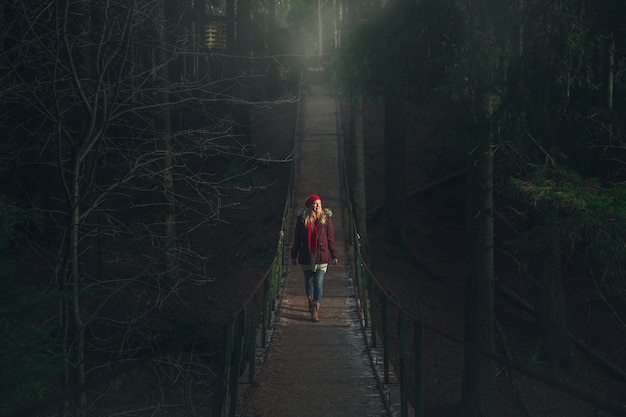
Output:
x,y
336,25
479,383
78,359
78,17
271,81
550,313
163,127
201,69
244,69
609,75
231,44
395,169
358,176
358,188
320,33
478,391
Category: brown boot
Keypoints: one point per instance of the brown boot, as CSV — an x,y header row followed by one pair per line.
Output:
x,y
311,304
315,312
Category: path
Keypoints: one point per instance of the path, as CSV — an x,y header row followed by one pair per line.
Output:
x,y
323,368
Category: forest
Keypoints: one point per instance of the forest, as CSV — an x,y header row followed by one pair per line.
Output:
x,y
128,139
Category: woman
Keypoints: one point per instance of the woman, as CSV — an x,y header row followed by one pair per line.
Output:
x,y
314,248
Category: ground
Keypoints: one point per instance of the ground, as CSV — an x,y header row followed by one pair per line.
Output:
x,y
429,280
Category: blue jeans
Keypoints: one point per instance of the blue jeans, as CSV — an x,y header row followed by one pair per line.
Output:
x,y
314,283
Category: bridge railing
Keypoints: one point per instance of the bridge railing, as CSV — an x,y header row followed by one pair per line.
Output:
x,y
248,332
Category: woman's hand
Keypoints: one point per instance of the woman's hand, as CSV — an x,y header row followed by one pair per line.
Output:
x,y
335,261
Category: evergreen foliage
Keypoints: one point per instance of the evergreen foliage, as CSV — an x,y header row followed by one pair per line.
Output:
x,y
375,61
592,220
536,85
547,63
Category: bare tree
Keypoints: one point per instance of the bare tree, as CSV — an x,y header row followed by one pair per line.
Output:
x,y
109,188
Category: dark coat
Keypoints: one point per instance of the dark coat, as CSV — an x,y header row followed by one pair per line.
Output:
x,y
326,237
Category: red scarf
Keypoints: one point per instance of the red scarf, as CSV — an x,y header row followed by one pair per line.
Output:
x,y
313,228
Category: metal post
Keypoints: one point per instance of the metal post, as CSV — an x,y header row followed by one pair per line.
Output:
x,y
404,407
372,297
385,338
418,346
220,401
237,361
254,322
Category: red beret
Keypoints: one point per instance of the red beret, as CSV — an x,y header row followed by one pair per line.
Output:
x,y
311,199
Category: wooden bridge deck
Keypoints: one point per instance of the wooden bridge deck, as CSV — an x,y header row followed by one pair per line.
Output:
x,y
318,368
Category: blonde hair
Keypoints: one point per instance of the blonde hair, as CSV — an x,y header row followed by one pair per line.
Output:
x,y
312,216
